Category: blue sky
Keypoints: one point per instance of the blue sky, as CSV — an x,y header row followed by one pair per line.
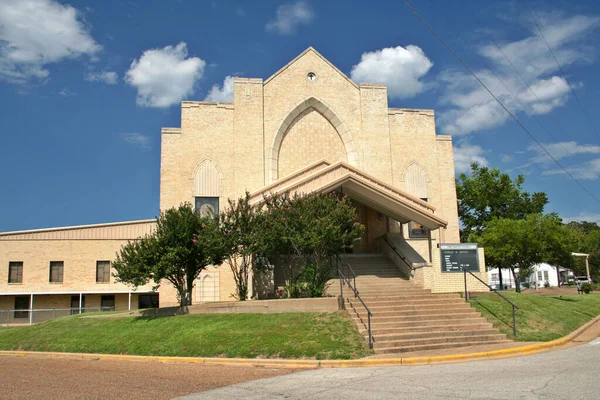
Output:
x,y
85,87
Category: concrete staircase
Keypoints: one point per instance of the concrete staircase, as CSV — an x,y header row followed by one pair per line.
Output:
x,y
407,317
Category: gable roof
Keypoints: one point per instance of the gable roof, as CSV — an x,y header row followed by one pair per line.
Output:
x,y
128,230
308,50
322,177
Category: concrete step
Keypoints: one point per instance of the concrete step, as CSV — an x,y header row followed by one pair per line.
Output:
x,y
424,314
424,309
400,297
421,324
410,302
372,292
440,333
435,346
427,328
381,344
409,318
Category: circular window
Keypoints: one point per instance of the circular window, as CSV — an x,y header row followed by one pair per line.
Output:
x,y
311,76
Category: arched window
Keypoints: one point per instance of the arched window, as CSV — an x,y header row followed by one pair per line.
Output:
x,y
415,181
207,188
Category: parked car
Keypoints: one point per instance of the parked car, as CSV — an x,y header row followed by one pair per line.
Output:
x,y
582,279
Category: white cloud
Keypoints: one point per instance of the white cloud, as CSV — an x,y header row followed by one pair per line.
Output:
x,y
108,77
560,150
163,77
224,94
36,33
465,154
472,109
399,68
289,17
137,139
506,158
588,170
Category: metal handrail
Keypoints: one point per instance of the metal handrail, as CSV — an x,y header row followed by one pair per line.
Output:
x,y
343,278
340,261
398,254
514,306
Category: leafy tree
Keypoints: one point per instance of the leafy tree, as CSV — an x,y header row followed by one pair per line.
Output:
x,y
181,247
521,243
306,232
239,229
488,193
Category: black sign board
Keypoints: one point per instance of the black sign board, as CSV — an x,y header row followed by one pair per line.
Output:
x,y
457,256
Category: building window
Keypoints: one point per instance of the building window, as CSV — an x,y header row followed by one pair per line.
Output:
x,y
416,230
15,272
107,303
207,206
56,271
539,275
546,275
102,271
147,301
75,304
21,303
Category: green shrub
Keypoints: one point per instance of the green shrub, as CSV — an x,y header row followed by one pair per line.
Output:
x,y
586,287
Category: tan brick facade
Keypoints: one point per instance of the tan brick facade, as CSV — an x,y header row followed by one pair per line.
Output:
x,y
272,129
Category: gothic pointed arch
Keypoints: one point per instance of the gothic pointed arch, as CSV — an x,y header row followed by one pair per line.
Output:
x,y
207,179
351,153
415,180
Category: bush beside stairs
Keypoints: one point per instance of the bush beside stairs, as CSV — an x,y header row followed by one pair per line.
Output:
x,y
407,317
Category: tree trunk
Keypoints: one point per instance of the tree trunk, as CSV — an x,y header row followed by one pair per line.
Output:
x,y
500,276
517,282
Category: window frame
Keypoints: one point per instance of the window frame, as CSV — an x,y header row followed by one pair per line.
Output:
x,y
213,201
416,230
61,270
105,273
19,274
108,297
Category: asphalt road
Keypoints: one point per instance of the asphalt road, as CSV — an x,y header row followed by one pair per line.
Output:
x,y
564,374
35,377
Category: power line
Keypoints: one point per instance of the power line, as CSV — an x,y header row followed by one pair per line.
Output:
x,y
509,90
499,48
561,70
438,37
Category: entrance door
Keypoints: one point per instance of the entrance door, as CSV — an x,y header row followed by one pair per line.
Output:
x,y
107,303
207,286
75,304
147,301
21,303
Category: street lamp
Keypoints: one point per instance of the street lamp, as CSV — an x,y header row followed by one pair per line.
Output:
x,y
587,263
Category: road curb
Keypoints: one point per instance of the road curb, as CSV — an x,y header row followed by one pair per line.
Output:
x,y
309,364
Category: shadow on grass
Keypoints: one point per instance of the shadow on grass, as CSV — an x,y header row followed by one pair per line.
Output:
x,y
563,299
492,313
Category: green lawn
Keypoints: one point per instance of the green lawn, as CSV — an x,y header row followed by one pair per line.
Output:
x,y
289,335
540,318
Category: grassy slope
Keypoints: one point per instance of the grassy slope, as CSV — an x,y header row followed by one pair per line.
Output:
x,y
540,318
289,335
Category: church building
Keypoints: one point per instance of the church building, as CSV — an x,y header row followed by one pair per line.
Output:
x,y
307,128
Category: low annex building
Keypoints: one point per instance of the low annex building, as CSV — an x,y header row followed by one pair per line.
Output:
x,y
306,128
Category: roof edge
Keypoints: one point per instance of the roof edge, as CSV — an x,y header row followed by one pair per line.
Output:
x,y
309,49
66,228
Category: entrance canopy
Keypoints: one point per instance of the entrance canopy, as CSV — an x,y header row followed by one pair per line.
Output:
x,y
324,177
